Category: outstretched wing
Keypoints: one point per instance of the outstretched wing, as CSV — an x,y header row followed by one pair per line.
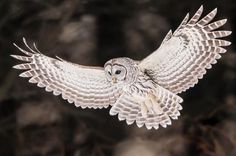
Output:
x,y
84,86
130,109
184,56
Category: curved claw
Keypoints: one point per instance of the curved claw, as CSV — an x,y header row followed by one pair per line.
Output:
x,y
155,105
150,105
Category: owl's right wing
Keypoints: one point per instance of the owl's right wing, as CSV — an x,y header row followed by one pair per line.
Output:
x,y
84,86
184,56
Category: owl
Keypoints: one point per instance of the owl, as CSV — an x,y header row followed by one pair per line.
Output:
x,y
144,92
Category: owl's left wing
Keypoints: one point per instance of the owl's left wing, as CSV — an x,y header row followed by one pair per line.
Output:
x,y
184,56
82,85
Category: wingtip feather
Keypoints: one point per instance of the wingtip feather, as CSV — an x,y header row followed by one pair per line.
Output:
x,y
224,21
14,56
228,43
17,66
215,10
229,33
23,75
201,7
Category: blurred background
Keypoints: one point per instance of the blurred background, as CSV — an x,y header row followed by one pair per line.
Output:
x,y
90,32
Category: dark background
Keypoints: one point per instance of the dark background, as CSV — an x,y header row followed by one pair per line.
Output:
x,y
89,32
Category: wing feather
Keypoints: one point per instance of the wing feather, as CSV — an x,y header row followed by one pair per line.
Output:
x,y
208,18
167,37
81,85
196,16
183,59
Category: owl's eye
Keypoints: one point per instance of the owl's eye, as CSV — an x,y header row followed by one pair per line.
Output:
x,y
118,72
109,72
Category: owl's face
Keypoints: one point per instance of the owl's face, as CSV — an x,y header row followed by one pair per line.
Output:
x,y
120,70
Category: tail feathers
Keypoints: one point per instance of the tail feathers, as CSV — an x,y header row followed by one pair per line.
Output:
x,y
130,109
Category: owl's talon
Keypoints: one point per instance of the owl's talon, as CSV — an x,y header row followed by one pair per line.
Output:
x,y
150,106
144,110
157,109
155,105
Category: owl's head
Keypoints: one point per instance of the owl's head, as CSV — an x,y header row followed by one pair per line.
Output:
x,y
121,70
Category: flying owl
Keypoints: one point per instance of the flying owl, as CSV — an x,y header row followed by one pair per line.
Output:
x,y
146,91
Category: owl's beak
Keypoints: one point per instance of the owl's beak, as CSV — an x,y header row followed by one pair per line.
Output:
x,y
114,79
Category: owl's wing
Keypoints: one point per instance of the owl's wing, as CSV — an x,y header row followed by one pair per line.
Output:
x,y
184,56
129,108
84,86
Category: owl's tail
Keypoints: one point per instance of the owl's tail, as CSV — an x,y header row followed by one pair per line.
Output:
x,y
130,109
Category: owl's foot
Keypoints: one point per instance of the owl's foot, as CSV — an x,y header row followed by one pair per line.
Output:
x,y
150,105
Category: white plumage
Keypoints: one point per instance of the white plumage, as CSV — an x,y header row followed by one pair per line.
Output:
x,y
144,91
183,57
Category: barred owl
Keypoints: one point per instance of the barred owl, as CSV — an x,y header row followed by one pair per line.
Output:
x,y
144,92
